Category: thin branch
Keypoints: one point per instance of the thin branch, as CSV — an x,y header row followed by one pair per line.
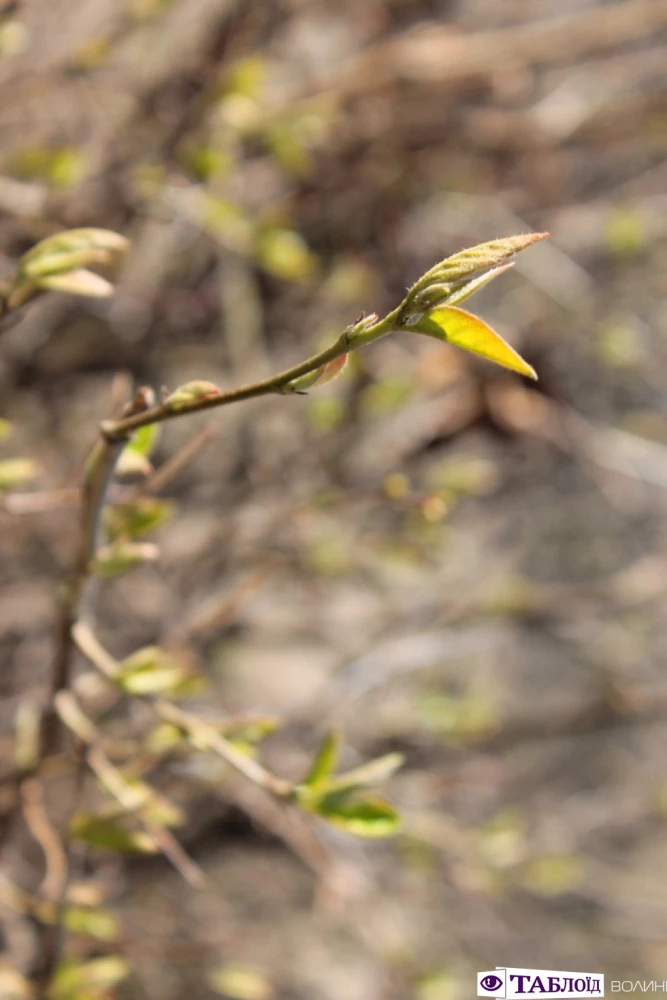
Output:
x,y
202,733
207,737
42,829
116,785
114,429
164,475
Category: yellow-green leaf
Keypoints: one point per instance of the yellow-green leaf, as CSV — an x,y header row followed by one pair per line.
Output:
x,y
365,817
461,328
325,761
153,671
110,834
91,980
134,459
92,920
372,773
17,472
238,982
285,254
136,519
123,557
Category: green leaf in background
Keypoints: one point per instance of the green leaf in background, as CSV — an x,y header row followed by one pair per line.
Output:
x,y
16,472
93,921
285,254
373,773
136,519
461,328
153,671
123,557
363,817
325,762
92,241
111,834
238,982
92,980
134,458
60,263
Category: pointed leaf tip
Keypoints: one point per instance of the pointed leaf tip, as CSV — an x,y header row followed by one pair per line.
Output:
x,y
461,328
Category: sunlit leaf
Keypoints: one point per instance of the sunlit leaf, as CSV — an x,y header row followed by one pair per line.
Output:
x,y
461,328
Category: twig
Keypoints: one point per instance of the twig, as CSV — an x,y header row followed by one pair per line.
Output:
x,y
164,475
44,833
203,733
115,429
207,737
113,781
98,477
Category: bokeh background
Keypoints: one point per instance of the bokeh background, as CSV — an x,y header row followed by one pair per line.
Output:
x,y
442,559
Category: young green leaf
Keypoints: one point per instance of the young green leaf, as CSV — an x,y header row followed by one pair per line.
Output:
x,y
477,258
136,519
78,282
363,817
372,773
94,921
325,761
320,376
71,240
191,392
122,557
134,458
153,671
461,328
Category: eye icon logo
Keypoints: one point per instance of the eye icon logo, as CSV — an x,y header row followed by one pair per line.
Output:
x,y
491,984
